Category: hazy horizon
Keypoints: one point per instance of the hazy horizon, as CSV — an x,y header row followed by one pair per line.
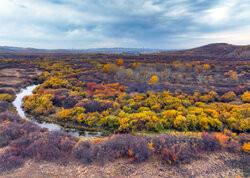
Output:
x,y
155,24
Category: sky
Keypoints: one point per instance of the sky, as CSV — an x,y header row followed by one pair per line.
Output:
x,y
161,24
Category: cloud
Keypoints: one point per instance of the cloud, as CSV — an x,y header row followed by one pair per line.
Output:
x,y
125,23
226,13
239,36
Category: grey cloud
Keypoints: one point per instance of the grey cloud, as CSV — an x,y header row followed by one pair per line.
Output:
x,y
126,23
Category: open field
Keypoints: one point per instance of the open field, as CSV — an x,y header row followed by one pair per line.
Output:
x,y
175,114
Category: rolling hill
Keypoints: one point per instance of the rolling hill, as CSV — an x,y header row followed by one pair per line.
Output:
x,y
217,50
214,50
10,49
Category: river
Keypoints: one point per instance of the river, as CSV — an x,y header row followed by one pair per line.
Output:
x,y
50,126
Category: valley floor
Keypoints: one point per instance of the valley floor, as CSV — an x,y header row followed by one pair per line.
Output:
x,y
213,164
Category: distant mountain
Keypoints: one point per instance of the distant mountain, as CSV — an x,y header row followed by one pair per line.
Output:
x,y
216,50
10,49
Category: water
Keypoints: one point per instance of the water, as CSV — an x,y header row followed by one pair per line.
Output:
x,y
50,126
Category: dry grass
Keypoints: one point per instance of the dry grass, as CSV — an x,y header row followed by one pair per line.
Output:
x,y
13,77
212,165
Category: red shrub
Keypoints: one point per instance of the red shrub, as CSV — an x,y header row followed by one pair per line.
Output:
x,y
6,116
9,162
209,142
175,149
123,146
83,152
14,130
44,146
4,105
94,106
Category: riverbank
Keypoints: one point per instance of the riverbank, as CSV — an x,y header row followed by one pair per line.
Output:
x,y
14,78
21,81
51,125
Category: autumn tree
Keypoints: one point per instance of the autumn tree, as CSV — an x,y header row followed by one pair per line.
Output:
x,y
207,66
134,65
109,68
39,104
229,96
120,62
233,75
246,97
154,79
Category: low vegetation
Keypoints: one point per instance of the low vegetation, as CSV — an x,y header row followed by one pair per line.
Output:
x,y
109,107
28,141
167,110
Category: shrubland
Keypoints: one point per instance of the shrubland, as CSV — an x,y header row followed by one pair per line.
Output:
x,y
93,94
25,140
111,108
193,107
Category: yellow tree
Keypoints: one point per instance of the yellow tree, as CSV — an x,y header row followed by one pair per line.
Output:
x,y
120,62
206,66
154,79
109,68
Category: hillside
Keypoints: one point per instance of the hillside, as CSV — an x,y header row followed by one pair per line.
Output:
x,y
217,50
220,51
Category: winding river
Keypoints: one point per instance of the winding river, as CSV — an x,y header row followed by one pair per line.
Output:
x,y
50,126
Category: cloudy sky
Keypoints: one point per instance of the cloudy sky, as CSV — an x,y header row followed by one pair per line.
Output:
x,y
165,24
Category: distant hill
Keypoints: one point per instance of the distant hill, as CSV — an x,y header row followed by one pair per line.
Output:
x,y
10,49
216,50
